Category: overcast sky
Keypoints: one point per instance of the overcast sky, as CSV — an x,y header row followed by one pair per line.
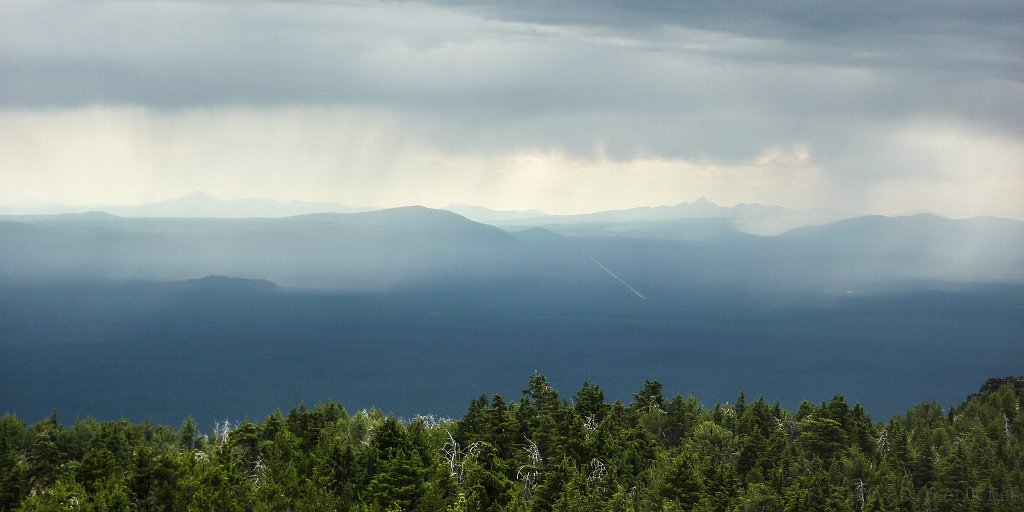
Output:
x,y
883,107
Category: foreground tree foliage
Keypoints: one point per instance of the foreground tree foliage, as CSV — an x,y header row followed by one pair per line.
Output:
x,y
542,453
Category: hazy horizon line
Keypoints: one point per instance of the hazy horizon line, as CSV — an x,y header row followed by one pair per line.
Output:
x,y
40,207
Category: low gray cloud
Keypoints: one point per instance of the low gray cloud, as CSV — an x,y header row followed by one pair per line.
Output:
x,y
861,86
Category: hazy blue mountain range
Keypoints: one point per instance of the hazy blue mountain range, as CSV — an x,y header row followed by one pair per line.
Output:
x,y
344,251
163,317
693,220
401,247
650,220
481,214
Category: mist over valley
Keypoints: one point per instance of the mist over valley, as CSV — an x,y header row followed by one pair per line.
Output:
x,y
162,317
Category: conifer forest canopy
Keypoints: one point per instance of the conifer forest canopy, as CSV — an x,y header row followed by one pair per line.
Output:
x,y
542,452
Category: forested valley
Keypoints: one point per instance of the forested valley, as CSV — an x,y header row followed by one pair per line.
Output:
x,y
541,452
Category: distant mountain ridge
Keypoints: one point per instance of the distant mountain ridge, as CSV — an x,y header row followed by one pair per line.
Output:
x,y
481,214
368,250
696,219
922,232
401,247
196,204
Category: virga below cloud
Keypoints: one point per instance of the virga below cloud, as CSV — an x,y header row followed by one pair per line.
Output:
x,y
894,107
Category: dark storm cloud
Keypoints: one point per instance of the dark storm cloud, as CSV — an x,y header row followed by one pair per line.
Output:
x,y
868,87
949,34
182,53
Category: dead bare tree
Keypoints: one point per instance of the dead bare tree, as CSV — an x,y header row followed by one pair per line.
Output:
x,y
456,456
883,442
1007,427
369,436
430,422
528,473
258,470
597,470
787,426
860,492
221,431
